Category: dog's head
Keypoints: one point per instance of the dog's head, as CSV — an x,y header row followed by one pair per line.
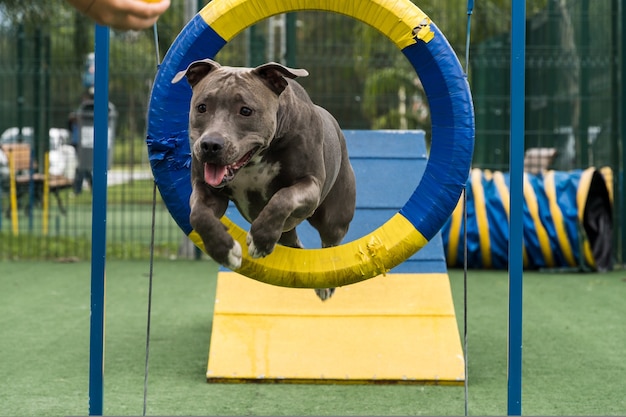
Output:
x,y
233,114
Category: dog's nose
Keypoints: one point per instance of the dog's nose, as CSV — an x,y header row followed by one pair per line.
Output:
x,y
212,145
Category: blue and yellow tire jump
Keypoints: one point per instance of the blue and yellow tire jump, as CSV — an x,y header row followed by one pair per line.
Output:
x,y
423,215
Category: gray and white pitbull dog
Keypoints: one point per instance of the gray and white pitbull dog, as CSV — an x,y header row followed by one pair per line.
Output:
x,y
257,139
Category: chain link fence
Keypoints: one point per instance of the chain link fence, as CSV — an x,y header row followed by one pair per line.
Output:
x,y
572,103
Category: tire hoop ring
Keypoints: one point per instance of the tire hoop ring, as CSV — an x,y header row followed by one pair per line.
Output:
x,y
428,208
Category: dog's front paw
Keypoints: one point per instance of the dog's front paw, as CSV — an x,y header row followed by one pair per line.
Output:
x,y
233,260
258,250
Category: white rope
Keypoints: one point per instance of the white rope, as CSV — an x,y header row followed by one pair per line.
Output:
x,y
470,9
152,233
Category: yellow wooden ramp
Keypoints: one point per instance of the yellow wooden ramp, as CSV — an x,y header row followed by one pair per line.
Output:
x,y
398,328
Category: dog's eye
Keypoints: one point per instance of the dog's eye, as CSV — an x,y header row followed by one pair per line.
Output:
x,y
201,108
245,111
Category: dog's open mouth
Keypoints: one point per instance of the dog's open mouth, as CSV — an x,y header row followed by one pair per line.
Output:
x,y
218,175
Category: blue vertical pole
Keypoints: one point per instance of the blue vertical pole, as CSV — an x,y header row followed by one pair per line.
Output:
x,y
516,161
621,178
98,226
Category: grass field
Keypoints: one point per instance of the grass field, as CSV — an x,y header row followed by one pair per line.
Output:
x,y
574,355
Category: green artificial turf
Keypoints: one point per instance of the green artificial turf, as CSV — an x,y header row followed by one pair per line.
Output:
x,y
574,354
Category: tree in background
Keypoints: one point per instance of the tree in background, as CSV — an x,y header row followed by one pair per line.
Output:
x,y
393,96
57,62
352,65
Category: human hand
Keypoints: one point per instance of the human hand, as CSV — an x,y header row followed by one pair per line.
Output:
x,y
122,14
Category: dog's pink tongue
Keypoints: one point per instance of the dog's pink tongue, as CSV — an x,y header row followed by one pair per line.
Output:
x,y
214,174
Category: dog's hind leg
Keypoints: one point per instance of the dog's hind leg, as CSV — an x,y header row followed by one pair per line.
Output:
x,y
332,218
291,239
325,293
332,230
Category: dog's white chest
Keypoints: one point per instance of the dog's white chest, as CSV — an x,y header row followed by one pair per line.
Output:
x,y
253,179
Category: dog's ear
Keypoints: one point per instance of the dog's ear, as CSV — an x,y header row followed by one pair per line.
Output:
x,y
274,75
196,71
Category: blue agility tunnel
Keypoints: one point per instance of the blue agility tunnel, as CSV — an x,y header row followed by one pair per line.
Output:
x,y
567,221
